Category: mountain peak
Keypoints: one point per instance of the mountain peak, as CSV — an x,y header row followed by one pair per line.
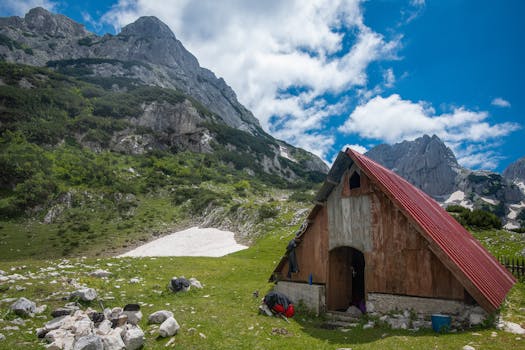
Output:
x,y
515,171
425,161
45,22
148,26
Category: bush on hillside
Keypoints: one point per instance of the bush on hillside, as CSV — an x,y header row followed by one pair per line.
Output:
x,y
477,218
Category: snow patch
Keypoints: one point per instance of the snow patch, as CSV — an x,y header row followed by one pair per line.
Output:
x,y
283,152
521,186
191,242
456,196
490,201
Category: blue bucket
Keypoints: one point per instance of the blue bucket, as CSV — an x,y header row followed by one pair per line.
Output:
x,y
440,323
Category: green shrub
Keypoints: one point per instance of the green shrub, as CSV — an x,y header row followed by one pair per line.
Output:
x,y
454,208
267,211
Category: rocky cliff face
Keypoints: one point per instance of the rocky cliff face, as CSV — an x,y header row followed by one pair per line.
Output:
x,y
425,162
41,37
430,165
516,172
147,53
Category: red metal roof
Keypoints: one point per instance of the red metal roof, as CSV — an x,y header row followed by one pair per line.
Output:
x,y
474,262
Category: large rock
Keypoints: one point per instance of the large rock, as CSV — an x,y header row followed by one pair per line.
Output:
x,y
169,327
159,316
113,340
84,294
195,283
133,337
89,342
23,307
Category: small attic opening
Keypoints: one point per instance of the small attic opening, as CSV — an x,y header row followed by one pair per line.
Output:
x,y
355,180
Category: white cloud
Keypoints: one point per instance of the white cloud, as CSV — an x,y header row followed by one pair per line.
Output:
x,y
21,7
393,119
389,78
358,148
264,48
499,102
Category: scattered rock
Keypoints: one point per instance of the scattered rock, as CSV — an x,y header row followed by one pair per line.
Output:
x,y
169,327
134,280
89,342
195,283
54,323
113,340
24,307
133,313
354,312
40,309
133,337
18,321
511,327
468,347
397,323
84,294
159,316
69,309
100,273
61,340
2,337
369,325
476,319
180,284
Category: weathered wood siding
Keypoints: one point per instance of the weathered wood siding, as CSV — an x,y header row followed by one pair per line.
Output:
x,y
349,216
400,261
312,252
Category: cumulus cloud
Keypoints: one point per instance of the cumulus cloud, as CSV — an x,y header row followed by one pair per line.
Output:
x,y
265,49
499,102
358,148
21,7
392,119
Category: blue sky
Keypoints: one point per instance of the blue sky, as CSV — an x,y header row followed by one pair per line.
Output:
x,y
325,74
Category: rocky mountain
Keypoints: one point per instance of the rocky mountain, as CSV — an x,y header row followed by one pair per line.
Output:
x,y
425,162
146,53
430,165
515,172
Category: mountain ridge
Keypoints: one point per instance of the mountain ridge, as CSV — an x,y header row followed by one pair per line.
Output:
x,y
145,53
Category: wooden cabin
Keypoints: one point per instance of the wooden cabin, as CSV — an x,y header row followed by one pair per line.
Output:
x,y
374,238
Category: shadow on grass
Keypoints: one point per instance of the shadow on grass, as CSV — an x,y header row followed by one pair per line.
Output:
x,y
318,328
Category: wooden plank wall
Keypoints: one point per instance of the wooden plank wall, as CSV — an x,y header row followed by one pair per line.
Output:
x,y
401,262
312,252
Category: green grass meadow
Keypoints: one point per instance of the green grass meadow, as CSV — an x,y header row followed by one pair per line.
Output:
x,y
224,314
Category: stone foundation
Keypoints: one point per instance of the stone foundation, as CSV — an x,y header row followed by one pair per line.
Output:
x,y
384,303
402,312
312,295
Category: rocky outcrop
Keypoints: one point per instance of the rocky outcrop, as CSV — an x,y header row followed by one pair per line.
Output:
x,y
516,172
425,162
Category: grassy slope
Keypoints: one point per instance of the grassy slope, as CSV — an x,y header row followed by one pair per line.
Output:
x,y
225,311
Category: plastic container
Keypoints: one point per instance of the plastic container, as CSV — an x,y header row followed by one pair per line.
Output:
x,y
440,323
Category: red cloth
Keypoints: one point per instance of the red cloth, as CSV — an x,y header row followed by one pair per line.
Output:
x,y
278,308
289,312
